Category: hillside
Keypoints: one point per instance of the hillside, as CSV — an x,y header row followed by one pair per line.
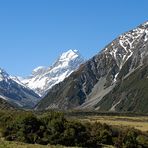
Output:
x,y
5,105
113,76
15,92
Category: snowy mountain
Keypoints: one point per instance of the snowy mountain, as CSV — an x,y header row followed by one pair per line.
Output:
x,y
15,92
42,78
116,79
123,47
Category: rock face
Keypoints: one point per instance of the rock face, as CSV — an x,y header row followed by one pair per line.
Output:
x,y
16,93
42,78
116,79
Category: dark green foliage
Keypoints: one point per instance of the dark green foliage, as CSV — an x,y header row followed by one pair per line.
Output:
x,y
24,128
130,139
74,134
119,141
54,128
142,140
99,134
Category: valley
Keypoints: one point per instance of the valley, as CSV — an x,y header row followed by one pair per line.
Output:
x,y
72,128
100,102
115,79
139,122
75,129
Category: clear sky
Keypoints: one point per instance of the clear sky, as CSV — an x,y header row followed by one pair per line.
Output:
x,y
35,32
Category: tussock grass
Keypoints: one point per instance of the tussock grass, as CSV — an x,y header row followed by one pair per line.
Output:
x,y
140,123
12,144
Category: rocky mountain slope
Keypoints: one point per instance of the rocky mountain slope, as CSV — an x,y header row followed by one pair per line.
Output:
x,y
5,105
116,79
16,93
42,78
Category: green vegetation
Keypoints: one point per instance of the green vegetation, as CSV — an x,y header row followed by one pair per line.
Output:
x,y
52,128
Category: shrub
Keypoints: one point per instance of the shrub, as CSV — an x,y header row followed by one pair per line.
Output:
x,y
23,128
130,139
53,128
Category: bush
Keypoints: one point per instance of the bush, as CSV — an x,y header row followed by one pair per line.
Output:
x,y
130,139
74,134
53,128
23,128
99,134
142,140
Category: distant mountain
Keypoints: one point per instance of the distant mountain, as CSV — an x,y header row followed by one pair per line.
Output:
x,y
14,92
116,79
43,79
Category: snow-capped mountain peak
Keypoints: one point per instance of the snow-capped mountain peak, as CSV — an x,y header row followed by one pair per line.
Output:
x,y
39,70
42,78
123,47
69,55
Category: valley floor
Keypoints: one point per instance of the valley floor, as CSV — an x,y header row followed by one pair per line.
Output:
x,y
139,122
12,144
119,121
9,144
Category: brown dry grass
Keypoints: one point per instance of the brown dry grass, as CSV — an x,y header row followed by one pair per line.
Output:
x,y
140,123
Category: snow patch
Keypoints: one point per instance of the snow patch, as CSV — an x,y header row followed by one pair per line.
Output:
x,y
2,97
38,68
115,78
17,80
146,36
114,106
70,54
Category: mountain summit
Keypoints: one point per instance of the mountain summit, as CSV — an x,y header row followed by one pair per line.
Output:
x,y
116,79
42,78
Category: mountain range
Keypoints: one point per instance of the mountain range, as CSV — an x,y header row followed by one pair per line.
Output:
x,y
26,92
116,79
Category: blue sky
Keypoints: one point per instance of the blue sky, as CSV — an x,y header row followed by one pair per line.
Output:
x,y
35,32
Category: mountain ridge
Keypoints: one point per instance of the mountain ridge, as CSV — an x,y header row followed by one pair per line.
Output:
x,y
15,93
117,60
42,78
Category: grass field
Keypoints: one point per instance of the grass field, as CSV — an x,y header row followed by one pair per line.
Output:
x,y
8,144
140,122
